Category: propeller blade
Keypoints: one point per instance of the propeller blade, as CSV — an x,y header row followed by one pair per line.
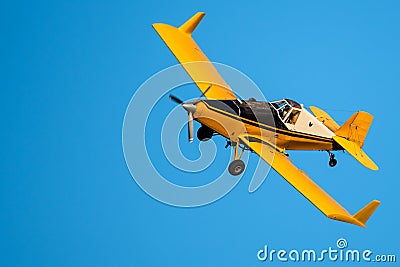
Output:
x,y
190,108
190,126
175,99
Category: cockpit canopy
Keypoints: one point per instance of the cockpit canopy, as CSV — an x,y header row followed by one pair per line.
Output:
x,y
287,109
279,103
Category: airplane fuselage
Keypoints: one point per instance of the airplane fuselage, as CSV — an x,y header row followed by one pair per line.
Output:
x,y
296,130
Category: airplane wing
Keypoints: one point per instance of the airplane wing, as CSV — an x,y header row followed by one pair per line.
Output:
x,y
194,61
303,183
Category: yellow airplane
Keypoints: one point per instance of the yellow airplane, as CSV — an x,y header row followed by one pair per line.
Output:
x,y
247,125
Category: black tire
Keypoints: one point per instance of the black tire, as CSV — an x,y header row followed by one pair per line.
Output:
x,y
236,167
204,133
332,162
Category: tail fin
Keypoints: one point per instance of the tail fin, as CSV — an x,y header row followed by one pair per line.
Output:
x,y
351,136
355,129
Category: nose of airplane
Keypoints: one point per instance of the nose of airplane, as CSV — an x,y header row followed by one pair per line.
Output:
x,y
189,107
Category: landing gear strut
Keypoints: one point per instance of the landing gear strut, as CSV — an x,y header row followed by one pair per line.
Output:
x,y
237,166
332,160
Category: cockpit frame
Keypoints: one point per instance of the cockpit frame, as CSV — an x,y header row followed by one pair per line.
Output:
x,y
288,110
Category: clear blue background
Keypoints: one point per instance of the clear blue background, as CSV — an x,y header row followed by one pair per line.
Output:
x,y
68,71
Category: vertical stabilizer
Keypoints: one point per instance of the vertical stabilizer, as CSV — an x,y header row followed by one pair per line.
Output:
x,y
355,129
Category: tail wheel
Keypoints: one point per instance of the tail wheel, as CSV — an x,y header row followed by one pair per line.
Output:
x,y
332,162
204,133
236,167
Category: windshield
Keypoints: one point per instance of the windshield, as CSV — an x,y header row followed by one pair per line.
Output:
x,y
293,103
288,110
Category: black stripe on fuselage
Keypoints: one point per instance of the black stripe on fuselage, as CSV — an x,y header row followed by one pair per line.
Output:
x,y
267,127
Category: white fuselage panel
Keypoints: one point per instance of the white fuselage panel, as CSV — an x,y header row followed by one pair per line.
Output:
x,y
308,123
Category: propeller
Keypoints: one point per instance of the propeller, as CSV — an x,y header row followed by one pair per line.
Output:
x,y
175,99
190,108
190,126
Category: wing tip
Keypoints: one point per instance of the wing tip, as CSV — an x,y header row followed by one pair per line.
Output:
x,y
365,213
346,218
361,217
190,25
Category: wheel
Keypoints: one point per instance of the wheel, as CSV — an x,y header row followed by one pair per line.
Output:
x,y
236,167
332,162
204,133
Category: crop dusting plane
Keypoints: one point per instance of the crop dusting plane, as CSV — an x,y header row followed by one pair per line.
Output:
x,y
267,128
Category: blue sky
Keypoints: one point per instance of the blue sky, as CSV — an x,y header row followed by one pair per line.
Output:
x,y
69,71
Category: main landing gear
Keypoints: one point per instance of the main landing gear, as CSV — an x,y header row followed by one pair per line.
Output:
x,y
237,166
332,160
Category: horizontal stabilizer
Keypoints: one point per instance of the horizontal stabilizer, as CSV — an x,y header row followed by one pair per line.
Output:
x,y
356,152
324,117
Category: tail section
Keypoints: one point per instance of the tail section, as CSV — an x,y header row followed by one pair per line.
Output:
x,y
356,152
324,117
355,129
351,135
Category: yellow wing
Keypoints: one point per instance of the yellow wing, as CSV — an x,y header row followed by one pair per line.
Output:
x,y
302,182
194,61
